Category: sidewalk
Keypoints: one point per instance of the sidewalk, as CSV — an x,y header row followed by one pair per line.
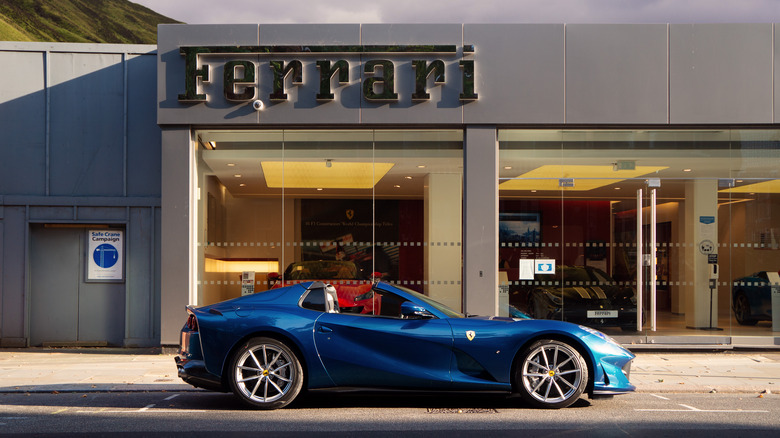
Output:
x,y
120,370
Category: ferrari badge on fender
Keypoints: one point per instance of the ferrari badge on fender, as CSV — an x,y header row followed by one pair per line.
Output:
x,y
470,335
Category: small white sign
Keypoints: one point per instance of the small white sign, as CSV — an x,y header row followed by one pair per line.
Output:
x,y
602,313
526,271
544,266
105,255
247,282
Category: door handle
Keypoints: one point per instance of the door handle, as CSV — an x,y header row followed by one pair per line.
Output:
x,y
324,329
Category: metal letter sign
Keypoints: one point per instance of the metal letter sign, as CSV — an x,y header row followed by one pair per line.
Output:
x,y
105,255
241,81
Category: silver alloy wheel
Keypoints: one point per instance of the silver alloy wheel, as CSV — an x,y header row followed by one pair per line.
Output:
x,y
552,373
264,373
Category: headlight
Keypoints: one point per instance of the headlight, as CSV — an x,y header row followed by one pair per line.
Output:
x,y
599,334
554,298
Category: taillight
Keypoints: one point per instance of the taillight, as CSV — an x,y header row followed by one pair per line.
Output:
x,y
192,323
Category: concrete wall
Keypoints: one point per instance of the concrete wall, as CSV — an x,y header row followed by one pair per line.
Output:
x,y
80,146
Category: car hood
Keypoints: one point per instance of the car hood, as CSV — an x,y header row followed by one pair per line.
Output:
x,y
586,293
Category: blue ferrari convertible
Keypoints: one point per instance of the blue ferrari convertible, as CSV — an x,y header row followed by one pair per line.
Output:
x,y
267,347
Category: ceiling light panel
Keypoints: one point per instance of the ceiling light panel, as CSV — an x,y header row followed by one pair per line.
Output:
x,y
315,174
771,186
585,177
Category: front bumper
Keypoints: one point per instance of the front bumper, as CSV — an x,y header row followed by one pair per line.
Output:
x,y
612,377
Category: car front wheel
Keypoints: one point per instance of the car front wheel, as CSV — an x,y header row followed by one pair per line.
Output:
x,y
265,374
551,374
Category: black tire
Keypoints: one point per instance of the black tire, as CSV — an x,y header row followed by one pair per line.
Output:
x,y
551,374
266,374
742,310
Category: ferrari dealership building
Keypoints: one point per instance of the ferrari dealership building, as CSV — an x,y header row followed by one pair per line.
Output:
x,y
625,177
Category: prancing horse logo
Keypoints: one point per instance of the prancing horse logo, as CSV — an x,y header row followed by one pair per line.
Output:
x,y
470,335
350,214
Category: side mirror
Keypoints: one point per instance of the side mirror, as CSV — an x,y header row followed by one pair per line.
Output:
x,y
409,310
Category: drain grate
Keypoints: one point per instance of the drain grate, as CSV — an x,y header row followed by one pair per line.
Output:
x,y
461,411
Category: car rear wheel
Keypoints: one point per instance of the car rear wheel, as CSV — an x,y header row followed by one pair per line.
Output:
x,y
265,374
551,374
742,310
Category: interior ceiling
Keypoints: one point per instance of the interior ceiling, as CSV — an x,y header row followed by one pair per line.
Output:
x,y
527,173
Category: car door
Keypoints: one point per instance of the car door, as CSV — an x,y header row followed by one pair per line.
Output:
x,y
384,350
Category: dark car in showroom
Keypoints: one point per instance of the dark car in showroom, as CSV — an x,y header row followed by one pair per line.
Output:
x,y
751,297
268,347
578,294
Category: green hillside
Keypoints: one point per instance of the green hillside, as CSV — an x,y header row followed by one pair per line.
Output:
x,y
81,21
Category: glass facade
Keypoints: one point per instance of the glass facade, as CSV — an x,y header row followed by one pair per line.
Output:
x,y
634,232
671,232
344,206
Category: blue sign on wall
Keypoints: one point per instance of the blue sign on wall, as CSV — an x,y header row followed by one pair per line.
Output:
x,y
105,255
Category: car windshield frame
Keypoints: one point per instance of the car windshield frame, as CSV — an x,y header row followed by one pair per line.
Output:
x,y
431,302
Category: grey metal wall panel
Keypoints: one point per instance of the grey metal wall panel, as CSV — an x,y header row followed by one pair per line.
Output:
x,y
141,286
776,77
101,313
87,124
720,73
157,276
14,250
444,105
2,275
101,214
176,238
143,134
52,213
23,124
170,74
519,73
54,284
480,222
616,73
307,34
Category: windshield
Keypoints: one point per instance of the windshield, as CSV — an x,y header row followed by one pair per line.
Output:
x,y
576,275
435,304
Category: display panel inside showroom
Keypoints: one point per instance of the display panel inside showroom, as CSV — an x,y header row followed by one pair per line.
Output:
x,y
343,206
644,232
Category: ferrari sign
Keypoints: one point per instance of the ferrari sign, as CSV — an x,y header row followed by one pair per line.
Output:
x,y
288,64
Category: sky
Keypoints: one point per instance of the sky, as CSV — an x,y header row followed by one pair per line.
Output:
x,y
467,11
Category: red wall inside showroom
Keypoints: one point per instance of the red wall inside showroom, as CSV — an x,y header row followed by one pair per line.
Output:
x,y
569,224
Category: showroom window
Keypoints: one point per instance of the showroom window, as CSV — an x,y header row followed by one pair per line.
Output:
x,y
278,207
642,231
